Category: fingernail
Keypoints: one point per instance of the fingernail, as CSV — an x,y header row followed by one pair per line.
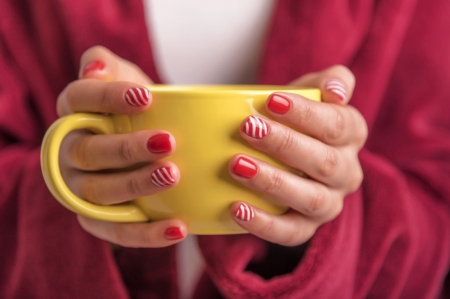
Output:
x,y
255,127
95,65
279,104
162,177
337,88
173,233
159,143
245,212
245,168
137,96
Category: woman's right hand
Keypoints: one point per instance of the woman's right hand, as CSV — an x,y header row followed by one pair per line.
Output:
x,y
110,84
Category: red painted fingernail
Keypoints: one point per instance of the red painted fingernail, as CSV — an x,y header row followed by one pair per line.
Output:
x,y
159,143
245,212
245,168
95,65
255,127
162,177
137,96
279,104
173,233
337,88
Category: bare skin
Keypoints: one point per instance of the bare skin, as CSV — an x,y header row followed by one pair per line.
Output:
x,y
325,153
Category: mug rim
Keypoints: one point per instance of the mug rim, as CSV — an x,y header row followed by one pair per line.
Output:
x,y
225,88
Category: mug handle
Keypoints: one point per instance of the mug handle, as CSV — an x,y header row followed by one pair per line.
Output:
x,y
98,124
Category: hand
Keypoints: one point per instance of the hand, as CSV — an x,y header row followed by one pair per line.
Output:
x,y
319,139
86,160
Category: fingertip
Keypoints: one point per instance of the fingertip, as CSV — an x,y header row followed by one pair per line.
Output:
x,y
233,161
138,97
97,63
255,126
101,63
279,103
175,171
91,67
166,175
243,167
242,212
334,91
161,143
175,232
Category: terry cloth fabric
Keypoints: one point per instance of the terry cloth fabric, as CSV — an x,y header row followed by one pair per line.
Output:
x,y
392,239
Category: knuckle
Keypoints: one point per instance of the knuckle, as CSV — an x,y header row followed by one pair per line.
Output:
x,y
147,238
268,228
329,164
316,202
335,209
299,236
356,180
140,184
105,98
125,150
71,93
90,192
275,183
82,158
306,114
118,236
338,207
286,141
336,129
134,187
362,132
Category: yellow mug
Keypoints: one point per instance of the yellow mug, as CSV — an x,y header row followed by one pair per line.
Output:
x,y
205,122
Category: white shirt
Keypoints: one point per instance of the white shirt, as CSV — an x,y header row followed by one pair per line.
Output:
x,y
205,42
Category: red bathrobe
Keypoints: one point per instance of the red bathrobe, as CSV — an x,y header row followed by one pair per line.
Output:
x,y
392,240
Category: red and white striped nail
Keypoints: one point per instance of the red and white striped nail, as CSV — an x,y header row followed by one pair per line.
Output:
x,y
93,66
245,212
255,127
337,88
162,177
137,96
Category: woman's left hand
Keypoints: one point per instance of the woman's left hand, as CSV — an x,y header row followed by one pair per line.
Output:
x,y
319,139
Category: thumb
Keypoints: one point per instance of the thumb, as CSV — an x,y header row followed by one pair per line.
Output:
x,y
336,84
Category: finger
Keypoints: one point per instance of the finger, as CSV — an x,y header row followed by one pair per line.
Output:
x,y
306,196
92,95
336,84
147,235
97,152
320,161
118,187
100,63
331,124
290,229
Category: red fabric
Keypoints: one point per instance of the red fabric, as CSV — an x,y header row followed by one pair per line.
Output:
x,y
392,239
